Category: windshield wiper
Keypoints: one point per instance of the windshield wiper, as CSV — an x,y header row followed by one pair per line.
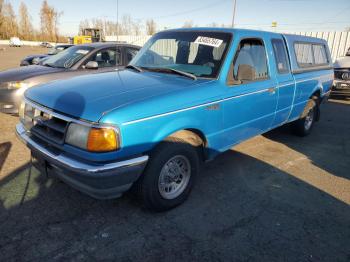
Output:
x,y
138,69
171,70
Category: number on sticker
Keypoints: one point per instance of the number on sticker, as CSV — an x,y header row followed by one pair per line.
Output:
x,y
202,40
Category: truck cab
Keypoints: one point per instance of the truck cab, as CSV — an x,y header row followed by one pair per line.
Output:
x,y
187,96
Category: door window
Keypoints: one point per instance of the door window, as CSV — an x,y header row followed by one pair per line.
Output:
x,y
108,57
250,63
130,54
281,56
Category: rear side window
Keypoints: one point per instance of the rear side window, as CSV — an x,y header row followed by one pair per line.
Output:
x,y
310,54
281,56
320,55
304,54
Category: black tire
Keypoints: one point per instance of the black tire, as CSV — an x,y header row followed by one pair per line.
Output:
x,y
147,188
303,126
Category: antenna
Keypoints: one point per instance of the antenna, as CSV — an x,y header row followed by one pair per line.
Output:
x,y
234,12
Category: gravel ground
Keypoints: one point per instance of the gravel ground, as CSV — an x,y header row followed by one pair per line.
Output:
x,y
275,197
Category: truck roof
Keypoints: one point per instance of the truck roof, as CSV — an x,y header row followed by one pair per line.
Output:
x,y
291,37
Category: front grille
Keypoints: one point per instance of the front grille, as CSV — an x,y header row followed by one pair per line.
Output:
x,y
44,125
342,74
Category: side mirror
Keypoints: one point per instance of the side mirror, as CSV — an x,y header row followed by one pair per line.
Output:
x,y
25,63
91,65
36,61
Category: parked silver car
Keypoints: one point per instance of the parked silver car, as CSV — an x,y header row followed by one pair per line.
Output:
x,y
35,59
74,61
341,85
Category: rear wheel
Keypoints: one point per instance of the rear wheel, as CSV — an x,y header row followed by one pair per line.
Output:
x,y
304,125
169,175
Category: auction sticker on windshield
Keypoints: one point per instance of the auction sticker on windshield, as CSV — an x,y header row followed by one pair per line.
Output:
x,y
82,51
203,40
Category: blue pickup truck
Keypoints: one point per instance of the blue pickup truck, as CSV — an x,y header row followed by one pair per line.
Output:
x,y
188,95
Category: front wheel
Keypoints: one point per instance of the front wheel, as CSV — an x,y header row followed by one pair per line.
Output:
x,y
169,175
304,125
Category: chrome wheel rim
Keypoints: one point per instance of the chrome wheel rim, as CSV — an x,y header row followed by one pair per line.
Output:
x,y
309,119
174,177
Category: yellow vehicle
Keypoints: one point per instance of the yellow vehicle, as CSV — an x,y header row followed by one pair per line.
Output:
x,y
89,35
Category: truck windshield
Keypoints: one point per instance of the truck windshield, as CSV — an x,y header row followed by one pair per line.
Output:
x,y
199,53
68,57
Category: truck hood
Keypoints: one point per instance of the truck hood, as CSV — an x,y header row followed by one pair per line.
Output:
x,y
89,97
23,73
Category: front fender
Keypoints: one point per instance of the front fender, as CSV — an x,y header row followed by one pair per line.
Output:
x,y
142,136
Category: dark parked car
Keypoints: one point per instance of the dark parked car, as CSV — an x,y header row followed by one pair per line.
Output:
x,y
46,44
74,61
35,59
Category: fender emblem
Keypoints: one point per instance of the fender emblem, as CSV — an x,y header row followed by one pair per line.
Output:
x,y
213,107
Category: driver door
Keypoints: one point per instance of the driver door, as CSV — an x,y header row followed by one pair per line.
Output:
x,y
251,98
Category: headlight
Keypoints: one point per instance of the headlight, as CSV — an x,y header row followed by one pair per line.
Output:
x,y
21,110
16,85
94,139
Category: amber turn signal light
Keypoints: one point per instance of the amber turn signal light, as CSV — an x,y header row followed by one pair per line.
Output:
x,y
102,140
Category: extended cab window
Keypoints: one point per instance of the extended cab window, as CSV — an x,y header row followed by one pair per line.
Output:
x,y
320,55
281,56
303,52
310,54
250,62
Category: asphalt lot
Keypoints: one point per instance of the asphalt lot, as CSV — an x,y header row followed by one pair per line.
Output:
x,y
276,197
11,56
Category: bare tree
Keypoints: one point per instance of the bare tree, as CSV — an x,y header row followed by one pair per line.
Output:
x,y
25,26
213,24
126,25
1,18
136,27
49,18
188,24
9,21
151,27
111,28
83,24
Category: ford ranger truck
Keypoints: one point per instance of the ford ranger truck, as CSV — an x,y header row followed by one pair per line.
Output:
x,y
187,96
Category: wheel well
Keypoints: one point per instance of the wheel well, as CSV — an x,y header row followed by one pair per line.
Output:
x,y
194,137
316,96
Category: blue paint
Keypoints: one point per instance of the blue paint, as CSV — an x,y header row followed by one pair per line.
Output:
x,y
149,106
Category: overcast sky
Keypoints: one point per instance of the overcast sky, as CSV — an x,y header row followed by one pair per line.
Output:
x,y
290,15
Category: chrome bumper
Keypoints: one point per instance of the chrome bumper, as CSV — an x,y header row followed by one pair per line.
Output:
x,y
341,82
102,181
74,165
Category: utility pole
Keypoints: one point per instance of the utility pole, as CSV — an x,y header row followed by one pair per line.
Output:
x,y
117,20
234,13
